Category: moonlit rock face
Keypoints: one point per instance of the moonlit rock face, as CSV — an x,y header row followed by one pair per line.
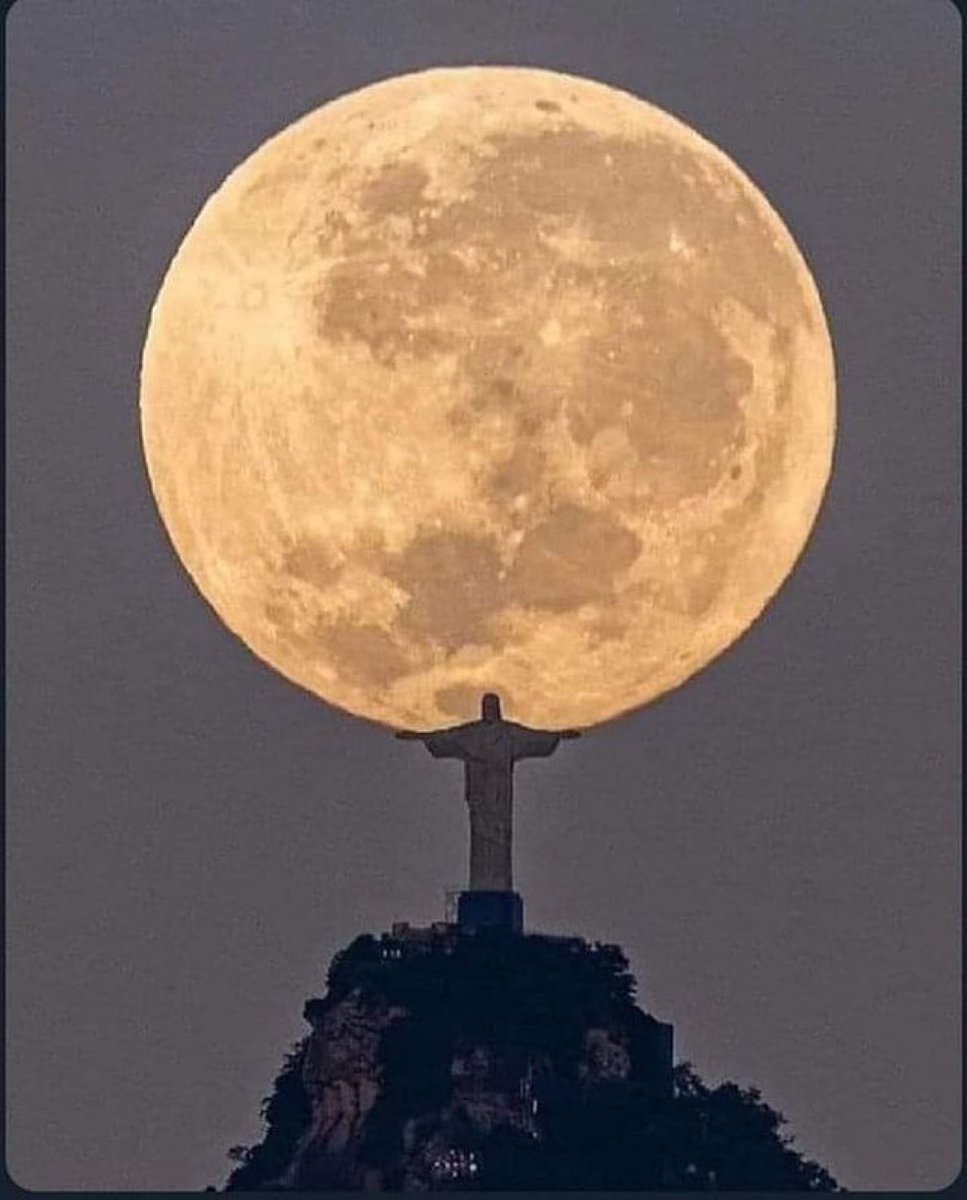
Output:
x,y
488,379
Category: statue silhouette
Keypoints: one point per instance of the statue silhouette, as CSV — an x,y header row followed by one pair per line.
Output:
x,y
489,748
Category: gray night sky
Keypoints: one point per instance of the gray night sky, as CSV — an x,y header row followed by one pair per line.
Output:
x,y
190,838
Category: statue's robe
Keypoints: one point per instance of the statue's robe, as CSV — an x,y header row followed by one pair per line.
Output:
x,y
489,750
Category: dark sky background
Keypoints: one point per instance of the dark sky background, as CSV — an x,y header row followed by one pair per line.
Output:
x,y
776,845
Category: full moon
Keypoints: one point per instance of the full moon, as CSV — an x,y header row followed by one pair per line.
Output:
x,y
488,379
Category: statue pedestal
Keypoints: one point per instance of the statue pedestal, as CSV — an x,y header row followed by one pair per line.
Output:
x,y
490,910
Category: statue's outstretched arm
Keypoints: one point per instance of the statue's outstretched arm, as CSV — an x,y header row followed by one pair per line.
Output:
x,y
442,743
537,743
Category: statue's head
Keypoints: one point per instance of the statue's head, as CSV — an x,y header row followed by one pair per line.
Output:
x,y
490,707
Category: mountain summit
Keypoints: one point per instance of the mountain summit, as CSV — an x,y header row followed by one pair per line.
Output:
x,y
442,1060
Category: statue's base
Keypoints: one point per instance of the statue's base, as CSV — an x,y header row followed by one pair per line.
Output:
x,y
490,910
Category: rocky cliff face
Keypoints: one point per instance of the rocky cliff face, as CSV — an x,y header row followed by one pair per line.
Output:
x,y
343,1077
429,1043
441,1061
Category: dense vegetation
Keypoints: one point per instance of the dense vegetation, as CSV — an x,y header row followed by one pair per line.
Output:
x,y
535,998
286,1115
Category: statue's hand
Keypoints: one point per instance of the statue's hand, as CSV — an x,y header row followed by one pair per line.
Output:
x,y
570,733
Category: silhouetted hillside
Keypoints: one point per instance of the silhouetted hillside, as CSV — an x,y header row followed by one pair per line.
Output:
x,y
444,1061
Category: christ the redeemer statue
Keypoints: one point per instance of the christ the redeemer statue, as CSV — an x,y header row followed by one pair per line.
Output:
x,y
489,749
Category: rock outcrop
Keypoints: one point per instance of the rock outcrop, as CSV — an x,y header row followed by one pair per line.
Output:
x,y
442,1061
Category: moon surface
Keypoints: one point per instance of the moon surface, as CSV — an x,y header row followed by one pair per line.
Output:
x,y
488,378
